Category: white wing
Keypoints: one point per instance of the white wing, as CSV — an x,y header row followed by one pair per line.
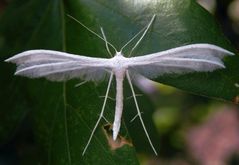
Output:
x,y
59,66
185,59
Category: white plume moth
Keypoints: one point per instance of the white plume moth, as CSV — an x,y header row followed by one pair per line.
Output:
x,y
61,66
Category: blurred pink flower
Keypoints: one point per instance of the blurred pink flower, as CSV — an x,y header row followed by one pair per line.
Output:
x,y
216,140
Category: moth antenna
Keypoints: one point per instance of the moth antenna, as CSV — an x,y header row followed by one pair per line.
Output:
x,y
145,29
91,31
136,35
139,113
101,114
106,44
141,38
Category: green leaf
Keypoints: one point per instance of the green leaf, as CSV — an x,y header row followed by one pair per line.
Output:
x,y
64,116
193,25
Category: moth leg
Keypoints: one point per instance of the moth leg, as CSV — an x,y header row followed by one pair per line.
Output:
x,y
105,119
139,113
137,95
101,114
81,83
106,42
135,117
110,98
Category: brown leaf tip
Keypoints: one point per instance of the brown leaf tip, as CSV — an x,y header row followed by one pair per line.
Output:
x,y
119,142
236,100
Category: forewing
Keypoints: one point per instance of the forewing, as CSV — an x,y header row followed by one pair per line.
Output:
x,y
185,59
59,66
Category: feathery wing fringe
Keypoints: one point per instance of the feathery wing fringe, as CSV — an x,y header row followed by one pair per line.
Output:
x,y
184,59
59,66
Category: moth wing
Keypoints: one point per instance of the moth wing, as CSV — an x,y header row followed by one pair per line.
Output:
x,y
185,59
59,66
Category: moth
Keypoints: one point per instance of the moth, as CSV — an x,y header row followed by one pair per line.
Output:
x,y
61,66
